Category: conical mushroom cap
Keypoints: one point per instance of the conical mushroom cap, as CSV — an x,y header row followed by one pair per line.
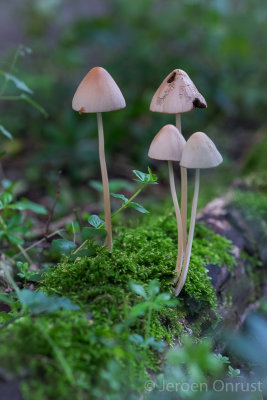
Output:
x,y
200,152
177,94
97,92
167,145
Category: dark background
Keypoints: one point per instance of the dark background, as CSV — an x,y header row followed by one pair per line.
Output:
x,y
221,44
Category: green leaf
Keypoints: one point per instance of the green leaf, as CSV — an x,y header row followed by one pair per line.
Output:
x,y
137,339
39,302
5,132
146,179
6,198
88,233
15,221
153,288
138,310
119,196
63,246
155,344
14,239
2,153
95,221
34,104
138,289
18,83
26,204
5,298
138,207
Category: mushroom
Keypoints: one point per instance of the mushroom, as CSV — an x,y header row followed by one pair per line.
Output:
x,y
168,145
98,93
176,95
199,152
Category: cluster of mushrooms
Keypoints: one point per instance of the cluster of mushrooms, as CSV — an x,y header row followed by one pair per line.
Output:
x,y
177,94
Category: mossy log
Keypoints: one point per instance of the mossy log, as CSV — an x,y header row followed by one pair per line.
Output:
x,y
240,290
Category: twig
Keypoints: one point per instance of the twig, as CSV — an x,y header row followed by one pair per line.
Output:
x,y
51,213
39,242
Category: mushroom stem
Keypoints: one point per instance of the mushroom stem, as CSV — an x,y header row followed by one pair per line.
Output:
x,y
179,260
104,175
182,278
178,122
183,190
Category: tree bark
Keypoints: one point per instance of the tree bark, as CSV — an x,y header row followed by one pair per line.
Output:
x,y
247,283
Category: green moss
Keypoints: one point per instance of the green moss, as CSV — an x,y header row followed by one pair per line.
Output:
x,y
253,207
95,351
86,348
251,204
255,166
148,251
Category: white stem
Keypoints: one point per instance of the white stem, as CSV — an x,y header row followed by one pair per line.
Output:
x,y
183,190
179,260
182,279
104,175
184,204
178,122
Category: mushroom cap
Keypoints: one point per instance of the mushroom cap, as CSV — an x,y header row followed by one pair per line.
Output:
x,y
177,94
200,152
167,145
97,92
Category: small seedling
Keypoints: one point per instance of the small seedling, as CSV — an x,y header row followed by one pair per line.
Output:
x,y
24,271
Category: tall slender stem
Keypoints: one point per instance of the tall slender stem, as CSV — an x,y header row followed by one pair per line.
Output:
x,y
184,203
179,260
182,279
183,190
178,122
104,175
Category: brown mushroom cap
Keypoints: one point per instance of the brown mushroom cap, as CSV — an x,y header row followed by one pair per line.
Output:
x,y
177,94
167,145
97,92
200,152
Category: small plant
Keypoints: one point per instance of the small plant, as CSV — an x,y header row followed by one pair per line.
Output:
x,y
97,225
153,301
14,227
24,91
24,271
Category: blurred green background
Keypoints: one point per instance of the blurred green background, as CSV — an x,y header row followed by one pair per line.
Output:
x,y
221,44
